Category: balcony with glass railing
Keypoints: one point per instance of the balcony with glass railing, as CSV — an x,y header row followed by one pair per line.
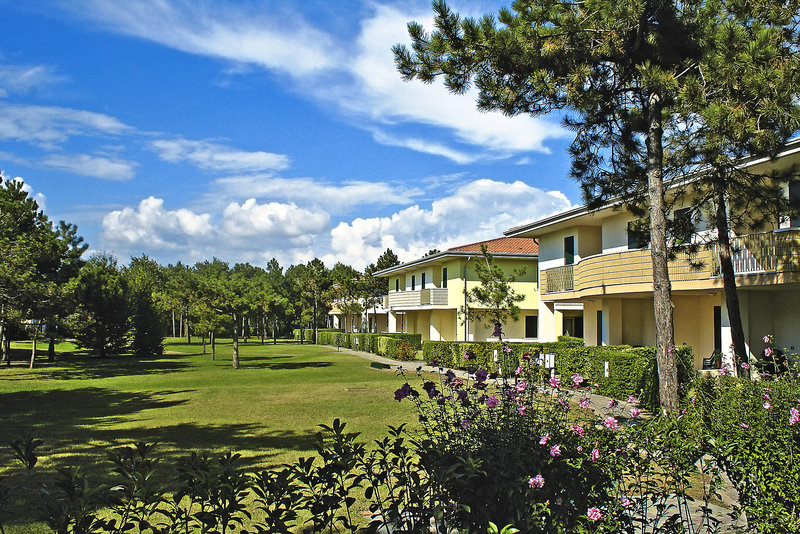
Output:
x,y
420,297
763,253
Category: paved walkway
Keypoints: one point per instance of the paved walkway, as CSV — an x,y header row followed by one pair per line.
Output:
x,y
599,404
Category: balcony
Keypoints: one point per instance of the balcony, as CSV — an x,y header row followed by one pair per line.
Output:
x,y
767,252
775,252
413,299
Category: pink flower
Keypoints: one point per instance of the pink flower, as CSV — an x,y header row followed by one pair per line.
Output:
x,y
794,417
578,430
611,423
555,382
594,513
584,403
577,379
767,405
635,412
492,401
536,482
595,455
612,404
555,451
507,350
631,399
519,370
625,502
744,425
521,409
767,338
745,365
522,386
723,371
544,439
580,448
768,352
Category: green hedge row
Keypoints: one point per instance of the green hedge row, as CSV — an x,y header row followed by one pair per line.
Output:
x,y
631,370
397,346
307,334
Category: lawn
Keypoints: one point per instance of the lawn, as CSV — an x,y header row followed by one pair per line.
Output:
x,y
268,409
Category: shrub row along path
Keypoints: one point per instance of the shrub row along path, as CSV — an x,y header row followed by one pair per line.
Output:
x,y
598,404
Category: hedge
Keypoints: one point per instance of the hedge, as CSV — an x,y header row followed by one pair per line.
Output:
x,y
308,333
632,370
397,346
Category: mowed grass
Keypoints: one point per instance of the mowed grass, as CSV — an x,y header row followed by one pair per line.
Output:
x,y
268,410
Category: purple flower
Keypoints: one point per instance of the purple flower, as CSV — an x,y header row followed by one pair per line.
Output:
x,y
465,423
536,482
526,355
611,423
584,403
577,379
794,417
594,513
481,375
555,451
492,401
522,409
405,391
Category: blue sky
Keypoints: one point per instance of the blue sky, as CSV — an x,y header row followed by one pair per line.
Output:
x,y
249,130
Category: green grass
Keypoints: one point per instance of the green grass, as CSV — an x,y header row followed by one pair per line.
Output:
x,y
268,409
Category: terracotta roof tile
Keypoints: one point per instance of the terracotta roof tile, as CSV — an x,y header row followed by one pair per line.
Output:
x,y
508,245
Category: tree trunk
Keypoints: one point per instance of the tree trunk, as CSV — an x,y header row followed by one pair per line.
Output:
x,y
236,342
274,330
204,343
33,350
315,319
729,279
4,356
213,346
662,289
181,325
51,349
188,334
173,323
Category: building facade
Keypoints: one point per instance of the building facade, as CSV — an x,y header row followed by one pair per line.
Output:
x,y
427,296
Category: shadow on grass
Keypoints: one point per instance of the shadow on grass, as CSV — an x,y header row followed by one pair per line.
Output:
x,y
68,367
80,426
249,362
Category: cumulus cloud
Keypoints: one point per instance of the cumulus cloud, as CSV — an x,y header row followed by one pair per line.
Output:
x,y
49,126
40,198
476,211
151,226
272,221
216,157
93,166
336,198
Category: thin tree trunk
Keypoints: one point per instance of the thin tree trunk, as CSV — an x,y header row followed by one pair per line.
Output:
x,y
213,346
4,355
662,289
51,349
729,279
181,325
236,343
315,319
173,323
204,343
33,350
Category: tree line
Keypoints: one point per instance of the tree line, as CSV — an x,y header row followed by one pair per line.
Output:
x,y
50,292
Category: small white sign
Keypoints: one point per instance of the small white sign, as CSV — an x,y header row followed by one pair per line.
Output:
x,y
495,354
605,369
550,361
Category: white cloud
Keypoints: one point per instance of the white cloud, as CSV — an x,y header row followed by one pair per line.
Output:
x,y
426,147
50,126
41,200
272,221
476,211
216,157
152,227
25,78
336,198
273,40
94,166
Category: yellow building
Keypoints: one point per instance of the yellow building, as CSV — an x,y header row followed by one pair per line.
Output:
x,y
592,259
426,295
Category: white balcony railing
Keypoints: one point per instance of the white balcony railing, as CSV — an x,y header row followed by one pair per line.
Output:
x,y
420,297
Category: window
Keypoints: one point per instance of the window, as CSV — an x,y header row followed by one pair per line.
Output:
x,y
423,281
397,284
444,277
794,201
413,282
682,226
531,326
638,235
569,250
